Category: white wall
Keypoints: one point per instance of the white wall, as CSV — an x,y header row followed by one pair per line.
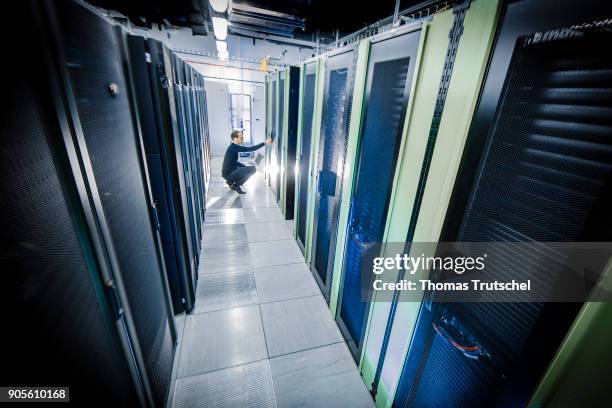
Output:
x,y
258,114
217,100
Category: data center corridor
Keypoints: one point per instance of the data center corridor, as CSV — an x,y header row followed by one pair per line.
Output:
x,y
260,324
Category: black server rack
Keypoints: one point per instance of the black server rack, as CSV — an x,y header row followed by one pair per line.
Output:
x,y
302,186
333,140
280,129
149,79
536,169
389,77
62,328
293,100
80,219
194,142
274,134
185,143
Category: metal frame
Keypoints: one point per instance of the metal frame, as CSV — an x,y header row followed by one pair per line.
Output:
x,y
579,356
462,93
329,271
153,217
171,76
173,170
300,138
82,172
348,178
289,110
314,147
282,148
349,181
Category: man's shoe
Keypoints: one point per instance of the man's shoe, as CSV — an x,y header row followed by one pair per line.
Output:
x,y
238,189
228,184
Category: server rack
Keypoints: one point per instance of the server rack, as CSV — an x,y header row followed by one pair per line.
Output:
x,y
82,253
535,54
45,214
186,142
280,131
314,149
388,80
268,99
309,78
330,162
148,74
445,94
273,148
289,118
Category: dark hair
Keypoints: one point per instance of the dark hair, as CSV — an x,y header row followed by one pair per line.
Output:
x,y
235,134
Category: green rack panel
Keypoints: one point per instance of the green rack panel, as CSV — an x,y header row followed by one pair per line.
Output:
x,y
468,72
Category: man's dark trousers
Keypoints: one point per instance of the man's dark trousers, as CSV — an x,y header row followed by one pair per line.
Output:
x,y
239,176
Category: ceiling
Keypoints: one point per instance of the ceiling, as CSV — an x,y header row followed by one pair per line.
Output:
x,y
273,19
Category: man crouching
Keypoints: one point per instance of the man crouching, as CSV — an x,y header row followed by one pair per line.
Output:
x,y
235,173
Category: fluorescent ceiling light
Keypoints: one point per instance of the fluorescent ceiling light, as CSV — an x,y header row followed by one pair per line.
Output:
x,y
221,46
220,28
220,6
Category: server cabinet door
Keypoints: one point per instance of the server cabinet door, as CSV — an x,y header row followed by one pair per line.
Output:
x,y
339,73
186,159
293,99
310,81
59,328
280,136
543,175
159,173
163,92
273,171
389,77
93,61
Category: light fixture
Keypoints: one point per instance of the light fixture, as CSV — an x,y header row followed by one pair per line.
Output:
x,y
221,46
220,28
220,6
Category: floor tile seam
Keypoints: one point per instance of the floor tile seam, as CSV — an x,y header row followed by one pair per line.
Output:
x,y
289,263
263,329
308,349
224,368
225,309
269,266
286,300
226,273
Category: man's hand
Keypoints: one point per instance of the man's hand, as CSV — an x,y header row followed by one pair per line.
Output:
x,y
268,141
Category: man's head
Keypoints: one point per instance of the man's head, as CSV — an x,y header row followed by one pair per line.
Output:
x,y
236,136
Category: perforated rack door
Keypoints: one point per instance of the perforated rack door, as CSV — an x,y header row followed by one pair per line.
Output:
x,y
304,160
279,139
274,135
337,92
159,174
389,77
544,175
59,327
93,62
